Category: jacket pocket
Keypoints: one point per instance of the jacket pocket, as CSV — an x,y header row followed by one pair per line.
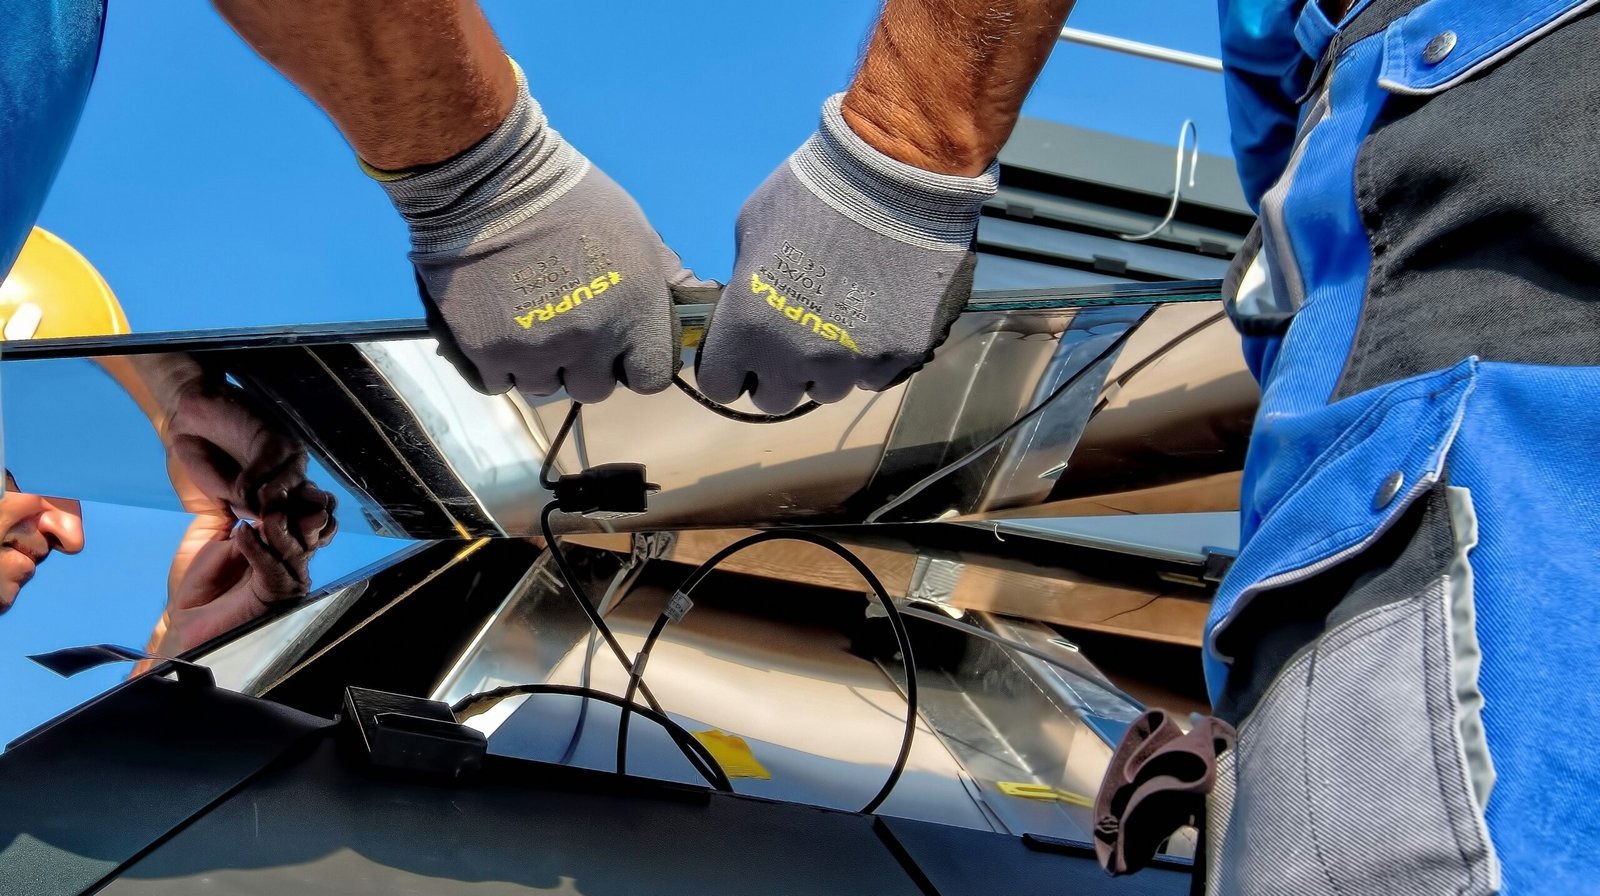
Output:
x,y
1360,770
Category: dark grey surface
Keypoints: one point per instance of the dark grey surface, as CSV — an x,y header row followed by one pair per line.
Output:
x,y
1121,162
319,827
91,791
971,863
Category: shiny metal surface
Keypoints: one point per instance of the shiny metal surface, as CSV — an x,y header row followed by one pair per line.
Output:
x,y
1010,718
751,660
423,456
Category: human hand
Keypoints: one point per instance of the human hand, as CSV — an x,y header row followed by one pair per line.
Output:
x,y
224,455
227,573
851,267
537,271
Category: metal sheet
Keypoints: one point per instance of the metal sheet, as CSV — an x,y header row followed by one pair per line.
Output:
x,y
424,456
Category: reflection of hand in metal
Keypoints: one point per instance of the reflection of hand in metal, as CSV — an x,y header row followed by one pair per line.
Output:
x,y
222,451
227,573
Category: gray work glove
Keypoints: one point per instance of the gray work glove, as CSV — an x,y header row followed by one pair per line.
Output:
x,y
851,267
536,270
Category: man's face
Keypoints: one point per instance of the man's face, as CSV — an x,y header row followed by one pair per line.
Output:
x,y
31,526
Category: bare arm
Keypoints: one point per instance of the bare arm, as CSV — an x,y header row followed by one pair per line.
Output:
x,y
408,82
943,81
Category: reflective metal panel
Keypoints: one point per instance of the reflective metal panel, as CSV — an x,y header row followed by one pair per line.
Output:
x,y
999,422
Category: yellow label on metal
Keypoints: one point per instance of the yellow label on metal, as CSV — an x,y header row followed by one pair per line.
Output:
x,y
1043,792
733,754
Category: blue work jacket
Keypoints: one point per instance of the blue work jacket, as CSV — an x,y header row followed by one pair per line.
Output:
x,y
1421,305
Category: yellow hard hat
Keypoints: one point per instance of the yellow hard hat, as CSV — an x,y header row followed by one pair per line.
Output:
x,y
53,291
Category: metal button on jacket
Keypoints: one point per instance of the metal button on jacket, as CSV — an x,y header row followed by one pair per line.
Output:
x,y
1439,47
1387,491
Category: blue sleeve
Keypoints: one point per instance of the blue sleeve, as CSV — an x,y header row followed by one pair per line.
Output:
x,y
1264,73
48,51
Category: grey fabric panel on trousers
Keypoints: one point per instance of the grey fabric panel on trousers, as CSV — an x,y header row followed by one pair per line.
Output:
x,y
1416,550
1350,772
1479,202
1219,816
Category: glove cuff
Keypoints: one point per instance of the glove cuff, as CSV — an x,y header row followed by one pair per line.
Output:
x,y
508,176
906,203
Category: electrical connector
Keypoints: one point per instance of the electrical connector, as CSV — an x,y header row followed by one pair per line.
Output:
x,y
607,490
410,735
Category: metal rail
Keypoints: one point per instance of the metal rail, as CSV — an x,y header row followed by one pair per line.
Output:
x,y
1135,48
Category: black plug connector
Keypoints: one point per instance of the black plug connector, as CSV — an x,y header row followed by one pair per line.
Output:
x,y
610,490
410,735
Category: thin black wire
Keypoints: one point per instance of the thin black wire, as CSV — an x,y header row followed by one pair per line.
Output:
x,y
570,579
902,636
555,446
723,410
635,678
589,649
692,748
923,483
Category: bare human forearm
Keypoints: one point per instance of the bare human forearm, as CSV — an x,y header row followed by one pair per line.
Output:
x,y
943,81
408,82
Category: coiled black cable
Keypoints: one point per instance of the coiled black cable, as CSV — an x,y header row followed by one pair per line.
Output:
x,y
896,623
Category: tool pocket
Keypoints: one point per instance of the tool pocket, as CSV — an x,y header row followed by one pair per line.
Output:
x,y
1362,768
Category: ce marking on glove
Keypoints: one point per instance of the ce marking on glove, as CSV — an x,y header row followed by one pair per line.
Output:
x,y
571,300
801,269
540,274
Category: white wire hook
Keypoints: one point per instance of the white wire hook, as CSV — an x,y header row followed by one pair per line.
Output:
x,y
1188,128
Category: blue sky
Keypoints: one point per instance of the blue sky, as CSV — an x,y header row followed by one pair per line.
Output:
x,y
210,193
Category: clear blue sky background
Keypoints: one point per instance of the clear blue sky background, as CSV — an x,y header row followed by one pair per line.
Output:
x,y
210,193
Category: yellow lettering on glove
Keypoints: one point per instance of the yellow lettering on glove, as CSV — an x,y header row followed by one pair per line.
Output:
x,y
808,319
571,300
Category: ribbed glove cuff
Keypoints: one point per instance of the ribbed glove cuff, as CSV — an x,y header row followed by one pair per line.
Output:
x,y
917,207
510,175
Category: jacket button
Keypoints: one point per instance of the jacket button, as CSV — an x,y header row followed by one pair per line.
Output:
x,y
1439,47
1387,491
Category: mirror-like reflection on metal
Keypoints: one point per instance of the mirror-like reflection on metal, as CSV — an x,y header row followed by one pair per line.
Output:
x,y
75,572
1117,399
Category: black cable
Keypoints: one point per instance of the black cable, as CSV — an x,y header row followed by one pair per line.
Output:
x,y
589,649
989,445
583,708
636,675
555,446
692,748
635,679
723,410
570,579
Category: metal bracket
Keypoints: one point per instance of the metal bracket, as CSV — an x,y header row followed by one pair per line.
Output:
x,y
650,546
933,582
1217,565
934,579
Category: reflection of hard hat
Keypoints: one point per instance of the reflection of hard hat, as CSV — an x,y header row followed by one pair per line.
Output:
x,y
54,291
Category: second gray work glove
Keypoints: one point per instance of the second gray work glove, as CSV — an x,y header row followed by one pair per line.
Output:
x,y
538,272
851,266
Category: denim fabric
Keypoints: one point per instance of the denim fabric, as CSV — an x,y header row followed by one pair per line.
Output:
x,y
48,50
1445,252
